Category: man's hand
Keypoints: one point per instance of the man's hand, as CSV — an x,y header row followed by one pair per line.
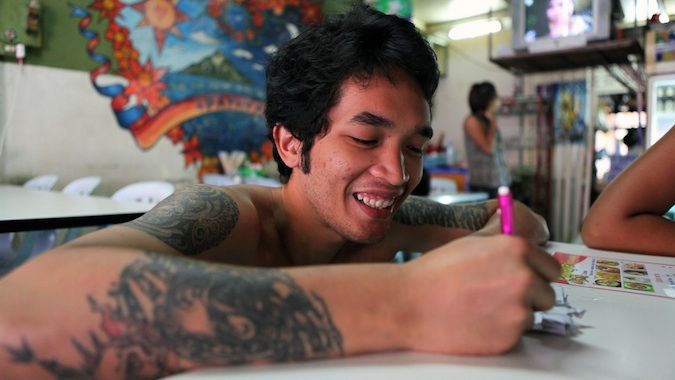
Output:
x,y
529,224
476,295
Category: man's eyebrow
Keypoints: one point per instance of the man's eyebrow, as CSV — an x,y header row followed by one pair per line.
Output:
x,y
379,121
373,120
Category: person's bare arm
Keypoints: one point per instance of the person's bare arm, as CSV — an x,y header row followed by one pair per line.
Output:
x,y
477,133
627,216
439,223
109,313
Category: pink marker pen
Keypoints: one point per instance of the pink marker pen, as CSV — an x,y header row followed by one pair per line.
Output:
x,y
505,202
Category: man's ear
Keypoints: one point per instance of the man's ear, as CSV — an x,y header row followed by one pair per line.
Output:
x,y
288,146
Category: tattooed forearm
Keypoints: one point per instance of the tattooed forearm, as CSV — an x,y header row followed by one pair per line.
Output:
x,y
417,211
165,314
191,221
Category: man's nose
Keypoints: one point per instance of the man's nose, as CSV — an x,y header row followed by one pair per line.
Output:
x,y
391,167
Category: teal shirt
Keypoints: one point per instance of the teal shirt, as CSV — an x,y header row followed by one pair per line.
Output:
x,y
487,169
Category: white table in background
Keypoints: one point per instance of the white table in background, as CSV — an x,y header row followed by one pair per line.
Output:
x,y
24,209
625,336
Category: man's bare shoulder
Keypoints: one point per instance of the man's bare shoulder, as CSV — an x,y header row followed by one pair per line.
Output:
x,y
199,218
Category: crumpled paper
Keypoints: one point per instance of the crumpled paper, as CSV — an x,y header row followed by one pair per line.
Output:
x,y
560,319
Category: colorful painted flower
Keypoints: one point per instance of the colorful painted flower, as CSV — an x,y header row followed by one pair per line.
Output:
x,y
118,35
175,134
191,150
215,7
312,13
126,57
107,9
145,84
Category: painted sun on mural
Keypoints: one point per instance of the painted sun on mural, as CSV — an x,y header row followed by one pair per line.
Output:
x,y
192,71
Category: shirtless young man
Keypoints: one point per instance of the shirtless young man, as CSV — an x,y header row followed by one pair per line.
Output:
x,y
193,282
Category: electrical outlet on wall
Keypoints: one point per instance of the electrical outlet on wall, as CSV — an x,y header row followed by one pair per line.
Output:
x,y
20,23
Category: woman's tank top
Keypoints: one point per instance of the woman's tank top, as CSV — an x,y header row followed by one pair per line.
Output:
x,y
486,169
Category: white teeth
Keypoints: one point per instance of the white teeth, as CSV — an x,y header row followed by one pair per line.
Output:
x,y
378,204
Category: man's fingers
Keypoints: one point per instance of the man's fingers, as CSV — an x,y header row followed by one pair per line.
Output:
x,y
541,295
543,264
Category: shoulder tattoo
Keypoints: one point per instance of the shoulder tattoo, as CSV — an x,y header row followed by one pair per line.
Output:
x,y
147,321
417,211
192,220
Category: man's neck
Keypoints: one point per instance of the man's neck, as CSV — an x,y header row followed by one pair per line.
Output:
x,y
305,240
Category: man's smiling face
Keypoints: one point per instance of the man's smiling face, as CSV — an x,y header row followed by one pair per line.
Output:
x,y
370,158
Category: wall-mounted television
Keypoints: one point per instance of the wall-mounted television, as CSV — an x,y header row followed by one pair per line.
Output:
x,y
542,25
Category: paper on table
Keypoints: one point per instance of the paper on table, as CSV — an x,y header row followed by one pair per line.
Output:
x,y
559,319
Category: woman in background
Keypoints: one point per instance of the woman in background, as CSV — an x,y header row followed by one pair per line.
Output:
x,y
483,142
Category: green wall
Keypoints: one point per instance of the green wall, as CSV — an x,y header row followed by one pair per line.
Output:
x,y
62,44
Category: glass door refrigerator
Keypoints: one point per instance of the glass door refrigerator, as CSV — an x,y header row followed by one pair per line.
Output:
x,y
661,106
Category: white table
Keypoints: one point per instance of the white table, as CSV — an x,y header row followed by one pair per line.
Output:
x,y
626,336
24,209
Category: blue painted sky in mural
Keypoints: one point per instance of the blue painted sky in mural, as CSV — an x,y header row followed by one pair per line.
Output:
x,y
200,36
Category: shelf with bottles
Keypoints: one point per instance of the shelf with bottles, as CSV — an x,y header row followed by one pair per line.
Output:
x,y
525,123
520,142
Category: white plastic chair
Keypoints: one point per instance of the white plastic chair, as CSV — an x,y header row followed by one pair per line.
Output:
x,y
7,252
43,183
151,192
442,186
10,258
82,186
220,180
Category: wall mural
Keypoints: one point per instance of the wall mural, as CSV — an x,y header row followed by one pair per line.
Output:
x,y
192,70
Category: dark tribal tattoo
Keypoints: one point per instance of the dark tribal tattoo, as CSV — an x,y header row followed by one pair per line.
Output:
x,y
165,314
192,220
417,211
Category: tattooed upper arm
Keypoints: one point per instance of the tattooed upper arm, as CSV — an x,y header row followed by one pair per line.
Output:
x,y
417,211
192,220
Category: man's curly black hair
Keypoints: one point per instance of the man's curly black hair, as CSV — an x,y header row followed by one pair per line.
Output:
x,y
305,76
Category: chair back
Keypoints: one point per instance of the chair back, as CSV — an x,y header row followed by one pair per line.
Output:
x,y
442,186
82,186
7,252
151,192
43,183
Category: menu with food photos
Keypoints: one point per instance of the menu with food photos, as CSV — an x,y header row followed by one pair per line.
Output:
x,y
613,274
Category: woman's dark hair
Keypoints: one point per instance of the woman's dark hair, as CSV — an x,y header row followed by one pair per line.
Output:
x,y
480,96
305,76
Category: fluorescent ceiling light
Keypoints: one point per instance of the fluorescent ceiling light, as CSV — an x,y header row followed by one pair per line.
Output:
x,y
463,9
473,29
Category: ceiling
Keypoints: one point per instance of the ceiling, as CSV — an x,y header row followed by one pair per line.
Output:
x,y
444,11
